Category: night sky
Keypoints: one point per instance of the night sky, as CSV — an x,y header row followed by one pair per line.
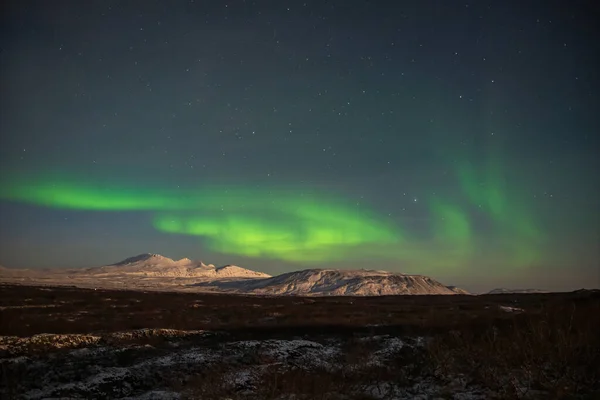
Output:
x,y
454,139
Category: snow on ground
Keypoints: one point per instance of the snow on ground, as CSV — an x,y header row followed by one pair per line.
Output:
x,y
18,345
511,309
95,384
143,372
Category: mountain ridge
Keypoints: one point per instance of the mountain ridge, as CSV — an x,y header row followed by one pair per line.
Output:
x,y
515,291
151,270
338,282
156,265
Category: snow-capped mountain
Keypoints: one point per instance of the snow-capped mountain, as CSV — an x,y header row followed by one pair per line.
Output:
x,y
457,290
515,291
155,265
233,271
330,282
13,272
153,271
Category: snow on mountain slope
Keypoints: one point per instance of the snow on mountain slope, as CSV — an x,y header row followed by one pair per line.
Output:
x,y
233,271
159,272
156,260
14,272
325,282
515,291
457,290
155,265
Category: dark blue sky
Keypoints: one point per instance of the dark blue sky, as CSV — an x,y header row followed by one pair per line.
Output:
x,y
382,104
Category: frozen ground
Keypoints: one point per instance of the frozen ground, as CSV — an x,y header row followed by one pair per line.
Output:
x,y
161,345
202,365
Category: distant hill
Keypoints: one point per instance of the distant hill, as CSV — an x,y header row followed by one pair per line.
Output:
x,y
155,265
516,291
332,282
153,271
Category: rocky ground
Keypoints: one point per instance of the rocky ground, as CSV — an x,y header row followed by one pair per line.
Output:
x,y
208,366
535,346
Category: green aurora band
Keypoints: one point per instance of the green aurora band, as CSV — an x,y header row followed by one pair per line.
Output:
x,y
271,223
306,226
487,190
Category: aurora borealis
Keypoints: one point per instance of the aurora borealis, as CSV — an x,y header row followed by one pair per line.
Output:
x,y
425,137
297,225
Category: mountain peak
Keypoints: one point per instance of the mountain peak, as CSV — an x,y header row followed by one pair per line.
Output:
x,y
155,265
326,282
234,270
228,266
185,261
142,257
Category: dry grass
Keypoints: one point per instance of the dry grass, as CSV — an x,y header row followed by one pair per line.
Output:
x,y
88,311
554,352
551,350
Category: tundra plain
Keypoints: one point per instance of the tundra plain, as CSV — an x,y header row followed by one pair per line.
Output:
x,y
67,342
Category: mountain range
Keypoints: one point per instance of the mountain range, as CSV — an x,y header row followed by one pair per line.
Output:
x,y
155,265
332,282
515,291
153,271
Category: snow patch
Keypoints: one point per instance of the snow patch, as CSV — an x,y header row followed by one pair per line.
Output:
x,y
511,309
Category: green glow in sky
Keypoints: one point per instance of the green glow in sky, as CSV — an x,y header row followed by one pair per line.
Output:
x,y
451,226
300,225
487,189
86,196
290,236
269,223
